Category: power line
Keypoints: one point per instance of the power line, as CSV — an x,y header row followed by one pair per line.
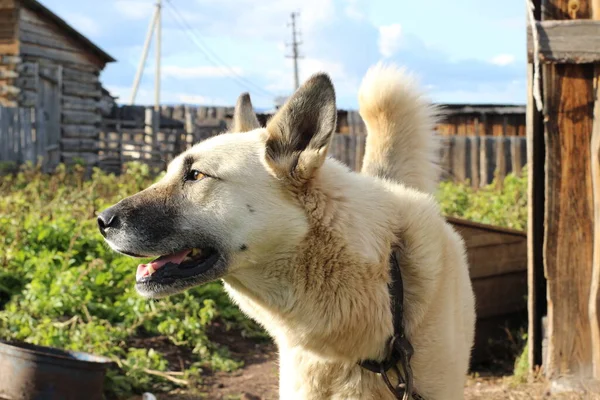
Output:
x,y
211,56
295,44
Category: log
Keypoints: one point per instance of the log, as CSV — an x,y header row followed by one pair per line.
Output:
x,y
73,103
80,118
80,131
573,42
82,90
79,145
568,237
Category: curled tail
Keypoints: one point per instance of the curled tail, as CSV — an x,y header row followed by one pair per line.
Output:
x,y
401,145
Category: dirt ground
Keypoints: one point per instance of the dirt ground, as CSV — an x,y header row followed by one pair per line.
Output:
x,y
257,380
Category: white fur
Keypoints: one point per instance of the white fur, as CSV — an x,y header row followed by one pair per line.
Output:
x,y
316,240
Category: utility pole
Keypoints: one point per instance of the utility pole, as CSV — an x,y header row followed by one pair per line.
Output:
x,y
157,76
295,43
154,23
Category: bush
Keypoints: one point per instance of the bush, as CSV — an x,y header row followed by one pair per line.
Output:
x,y
502,205
62,286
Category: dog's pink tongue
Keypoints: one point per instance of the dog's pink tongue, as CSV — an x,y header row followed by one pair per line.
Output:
x,y
148,269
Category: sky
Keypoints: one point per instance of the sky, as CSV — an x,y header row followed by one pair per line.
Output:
x,y
461,51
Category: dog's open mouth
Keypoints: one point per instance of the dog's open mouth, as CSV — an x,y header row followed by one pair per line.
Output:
x,y
183,264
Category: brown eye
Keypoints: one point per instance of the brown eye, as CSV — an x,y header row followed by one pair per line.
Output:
x,y
194,175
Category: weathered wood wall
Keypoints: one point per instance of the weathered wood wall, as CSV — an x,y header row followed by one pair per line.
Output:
x,y
9,50
482,120
23,138
569,246
129,132
53,58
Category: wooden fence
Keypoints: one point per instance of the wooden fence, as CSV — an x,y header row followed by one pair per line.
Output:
x,y
134,133
24,137
476,158
482,158
150,140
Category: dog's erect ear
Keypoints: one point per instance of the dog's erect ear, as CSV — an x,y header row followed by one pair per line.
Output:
x,y
244,119
300,133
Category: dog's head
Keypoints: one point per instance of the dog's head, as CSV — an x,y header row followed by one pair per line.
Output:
x,y
229,202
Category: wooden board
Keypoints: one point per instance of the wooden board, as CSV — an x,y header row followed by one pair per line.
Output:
x,y
497,266
41,38
573,42
594,302
568,237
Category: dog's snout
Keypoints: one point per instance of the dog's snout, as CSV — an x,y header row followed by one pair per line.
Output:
x,y
107,219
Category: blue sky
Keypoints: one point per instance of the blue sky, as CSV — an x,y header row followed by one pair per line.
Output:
x,y
462,51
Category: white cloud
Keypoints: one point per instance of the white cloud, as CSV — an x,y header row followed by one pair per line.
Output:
x,y
281,81
353,10
513,92
84,24
176,71
503,59
390,39
135,9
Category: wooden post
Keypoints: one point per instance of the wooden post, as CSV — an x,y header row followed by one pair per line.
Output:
x,y
567,248
594,303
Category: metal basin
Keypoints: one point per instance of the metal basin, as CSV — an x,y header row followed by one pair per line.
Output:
x,y
29,372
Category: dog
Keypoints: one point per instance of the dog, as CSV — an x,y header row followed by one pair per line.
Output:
x,y
302,243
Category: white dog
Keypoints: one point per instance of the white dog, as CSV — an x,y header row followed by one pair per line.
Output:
x,y
303,244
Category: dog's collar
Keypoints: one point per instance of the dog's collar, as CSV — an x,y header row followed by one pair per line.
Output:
x,y
399,350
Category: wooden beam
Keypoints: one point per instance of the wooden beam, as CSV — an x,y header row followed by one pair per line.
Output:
x,y
568,237
572,41
536,296
594,303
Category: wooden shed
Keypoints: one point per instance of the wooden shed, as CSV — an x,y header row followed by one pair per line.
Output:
x,y
47,64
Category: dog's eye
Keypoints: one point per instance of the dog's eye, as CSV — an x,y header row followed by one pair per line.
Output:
x,y
194,175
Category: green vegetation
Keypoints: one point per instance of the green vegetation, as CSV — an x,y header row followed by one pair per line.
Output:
x,y
61,286
502,205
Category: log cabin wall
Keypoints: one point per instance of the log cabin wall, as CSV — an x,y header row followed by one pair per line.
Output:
x,y
9,51
56,70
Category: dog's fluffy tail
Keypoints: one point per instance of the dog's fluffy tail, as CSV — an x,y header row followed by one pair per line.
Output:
x,y
401,145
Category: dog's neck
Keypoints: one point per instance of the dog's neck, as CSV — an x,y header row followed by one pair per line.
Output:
x,y
308,298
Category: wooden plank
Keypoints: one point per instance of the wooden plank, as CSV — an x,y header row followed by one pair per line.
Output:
x,y
572,42
75,75
500,295
516,157
79,131
461,222
29,49
82,90
29,34
10,91
568,237
459,172
594,302
80,118
498,260
8,74
74,103
79,145
10,60
480,110
475,158
27,83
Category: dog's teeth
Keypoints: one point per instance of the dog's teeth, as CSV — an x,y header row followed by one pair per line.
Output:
x,y
150,270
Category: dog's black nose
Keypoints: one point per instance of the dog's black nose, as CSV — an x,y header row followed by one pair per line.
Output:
x,y
107,219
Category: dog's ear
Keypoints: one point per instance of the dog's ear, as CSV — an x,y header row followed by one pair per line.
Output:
x,y
300,133
244,119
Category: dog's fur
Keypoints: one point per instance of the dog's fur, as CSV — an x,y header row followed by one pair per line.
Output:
x,y
305,242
